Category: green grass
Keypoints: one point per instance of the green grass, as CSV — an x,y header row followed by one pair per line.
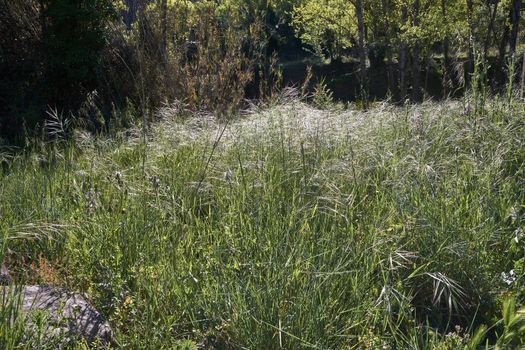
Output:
x,y
294,228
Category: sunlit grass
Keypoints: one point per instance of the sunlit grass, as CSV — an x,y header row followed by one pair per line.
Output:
x,y
289,227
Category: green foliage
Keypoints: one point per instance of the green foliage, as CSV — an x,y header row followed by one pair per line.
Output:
x,y
299,228
332,25
513,335
322,97
198,52
200,56
327,26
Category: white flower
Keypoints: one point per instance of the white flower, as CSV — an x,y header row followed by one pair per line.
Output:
x,y
509,278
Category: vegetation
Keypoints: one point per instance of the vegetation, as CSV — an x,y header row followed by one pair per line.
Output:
x,y
212,55
163,167
292,227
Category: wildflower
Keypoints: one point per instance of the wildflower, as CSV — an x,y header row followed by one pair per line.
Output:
x,y
128,302
509,278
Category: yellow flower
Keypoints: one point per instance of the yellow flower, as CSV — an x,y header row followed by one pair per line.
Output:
x,y
128,301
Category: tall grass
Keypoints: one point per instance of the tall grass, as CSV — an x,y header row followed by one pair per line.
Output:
x,y
291,227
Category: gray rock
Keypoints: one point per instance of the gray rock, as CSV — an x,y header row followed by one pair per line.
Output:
x,y
66,315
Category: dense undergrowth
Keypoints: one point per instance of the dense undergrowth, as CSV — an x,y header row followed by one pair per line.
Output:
x,y
290,227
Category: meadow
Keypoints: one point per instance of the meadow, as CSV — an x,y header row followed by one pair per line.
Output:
x,y
287,227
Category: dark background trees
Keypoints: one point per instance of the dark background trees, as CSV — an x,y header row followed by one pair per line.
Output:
x,y
73,36
60,53
50,53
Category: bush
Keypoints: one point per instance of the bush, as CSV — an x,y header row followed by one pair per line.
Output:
x,y
74,34
205,59
53,60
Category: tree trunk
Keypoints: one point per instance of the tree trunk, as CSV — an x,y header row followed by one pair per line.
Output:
x,y
362,48
390,72
403,58
522,75
142,20
43,22
490,30
388,51
416,81
164,28
503,46
515,12
470,63
446,53
130,15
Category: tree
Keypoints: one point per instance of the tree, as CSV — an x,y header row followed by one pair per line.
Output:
x,y
73,39
361,48
471,40
387,11
326,27
416,83
515,20
332,26
164,27
21,60
403,54
490,30
446,49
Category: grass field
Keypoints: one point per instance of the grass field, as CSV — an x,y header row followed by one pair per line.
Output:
x,y
288,227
